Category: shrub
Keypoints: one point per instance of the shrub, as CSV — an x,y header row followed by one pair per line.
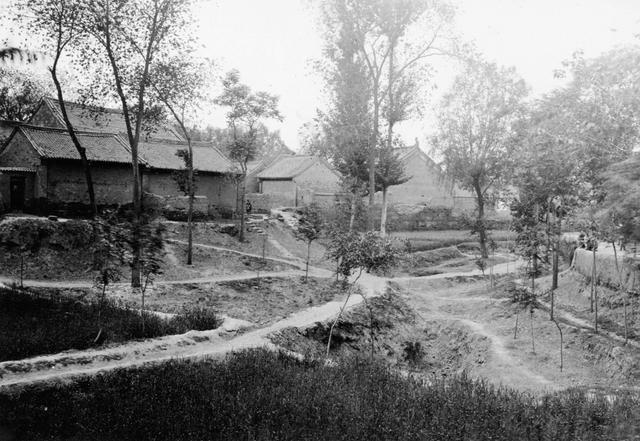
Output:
x,y
31,325
196,318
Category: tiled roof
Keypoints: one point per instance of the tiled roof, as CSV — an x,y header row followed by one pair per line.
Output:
x,y
287,167
56,144
162,155
101,119
18,169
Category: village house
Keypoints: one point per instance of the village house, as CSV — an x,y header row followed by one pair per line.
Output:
x,y
295,180
428,184
39,165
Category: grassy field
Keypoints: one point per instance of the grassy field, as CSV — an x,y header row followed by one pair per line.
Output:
x,y
32,325
259,395
430,240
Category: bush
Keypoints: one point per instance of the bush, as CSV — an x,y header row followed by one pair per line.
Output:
x,y
263,395
195,318
31,325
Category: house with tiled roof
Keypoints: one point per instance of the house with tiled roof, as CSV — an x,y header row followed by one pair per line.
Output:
x,y
92,118
40,166
294,180
428,184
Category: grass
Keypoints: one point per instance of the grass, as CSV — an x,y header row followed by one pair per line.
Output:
x,y
31,325
261,301
431,240
259,395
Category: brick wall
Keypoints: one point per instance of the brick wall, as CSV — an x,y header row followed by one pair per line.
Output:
x,y
219,191
112,184
20,153
318,178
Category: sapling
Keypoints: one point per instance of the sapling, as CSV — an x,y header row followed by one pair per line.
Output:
x,y
368,252
310,225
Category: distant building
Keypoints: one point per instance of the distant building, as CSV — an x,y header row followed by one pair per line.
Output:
x,y
295,180
428,184
39,165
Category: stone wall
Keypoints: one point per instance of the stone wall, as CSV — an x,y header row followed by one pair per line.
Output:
x,y
264,202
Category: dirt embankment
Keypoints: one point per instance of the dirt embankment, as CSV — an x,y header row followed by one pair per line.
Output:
x,y
45,249
444,326
400,337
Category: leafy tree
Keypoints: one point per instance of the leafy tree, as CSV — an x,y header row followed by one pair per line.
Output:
x,y
309,227
21,90
601,107
246,111
368,252
125,39
180,84
151,258
372,40
59,21
476,132
109,254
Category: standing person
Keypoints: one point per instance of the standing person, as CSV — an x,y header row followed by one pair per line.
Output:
x,y
248,206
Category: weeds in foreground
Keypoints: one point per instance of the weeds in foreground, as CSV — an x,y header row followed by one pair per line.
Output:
x,y
258,394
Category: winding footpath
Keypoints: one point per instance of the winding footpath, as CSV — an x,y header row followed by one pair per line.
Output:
x,y
193,344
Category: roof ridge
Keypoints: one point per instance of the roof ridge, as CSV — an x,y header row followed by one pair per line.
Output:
x,y
64,130
86,106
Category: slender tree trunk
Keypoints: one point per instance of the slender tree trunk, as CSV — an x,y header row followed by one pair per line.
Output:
x,y
22,270
533,343
371,327
383,216
373,144
593,279
191,200
243,188
624,294
515,329
306,268
561,344
482,233
595,290
344,305
354,206
76,142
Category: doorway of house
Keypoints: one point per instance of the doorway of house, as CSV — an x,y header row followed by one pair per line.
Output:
x,y
17,186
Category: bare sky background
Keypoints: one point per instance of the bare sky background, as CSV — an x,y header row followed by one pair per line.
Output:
x,y
273,44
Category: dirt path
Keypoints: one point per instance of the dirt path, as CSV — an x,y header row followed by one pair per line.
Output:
x,y
194,344
190,345
588,358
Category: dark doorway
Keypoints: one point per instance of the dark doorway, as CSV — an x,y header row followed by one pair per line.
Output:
x,y
17,185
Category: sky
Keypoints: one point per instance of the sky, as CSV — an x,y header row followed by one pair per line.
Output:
x,y
273,43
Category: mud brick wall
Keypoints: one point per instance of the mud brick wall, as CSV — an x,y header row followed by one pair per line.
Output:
x,y
606,273
112,184
264,202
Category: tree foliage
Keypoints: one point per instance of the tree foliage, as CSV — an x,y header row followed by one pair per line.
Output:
x,y
21,90
477,131
246,110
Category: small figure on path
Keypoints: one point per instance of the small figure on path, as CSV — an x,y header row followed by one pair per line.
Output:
x,y
248,206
